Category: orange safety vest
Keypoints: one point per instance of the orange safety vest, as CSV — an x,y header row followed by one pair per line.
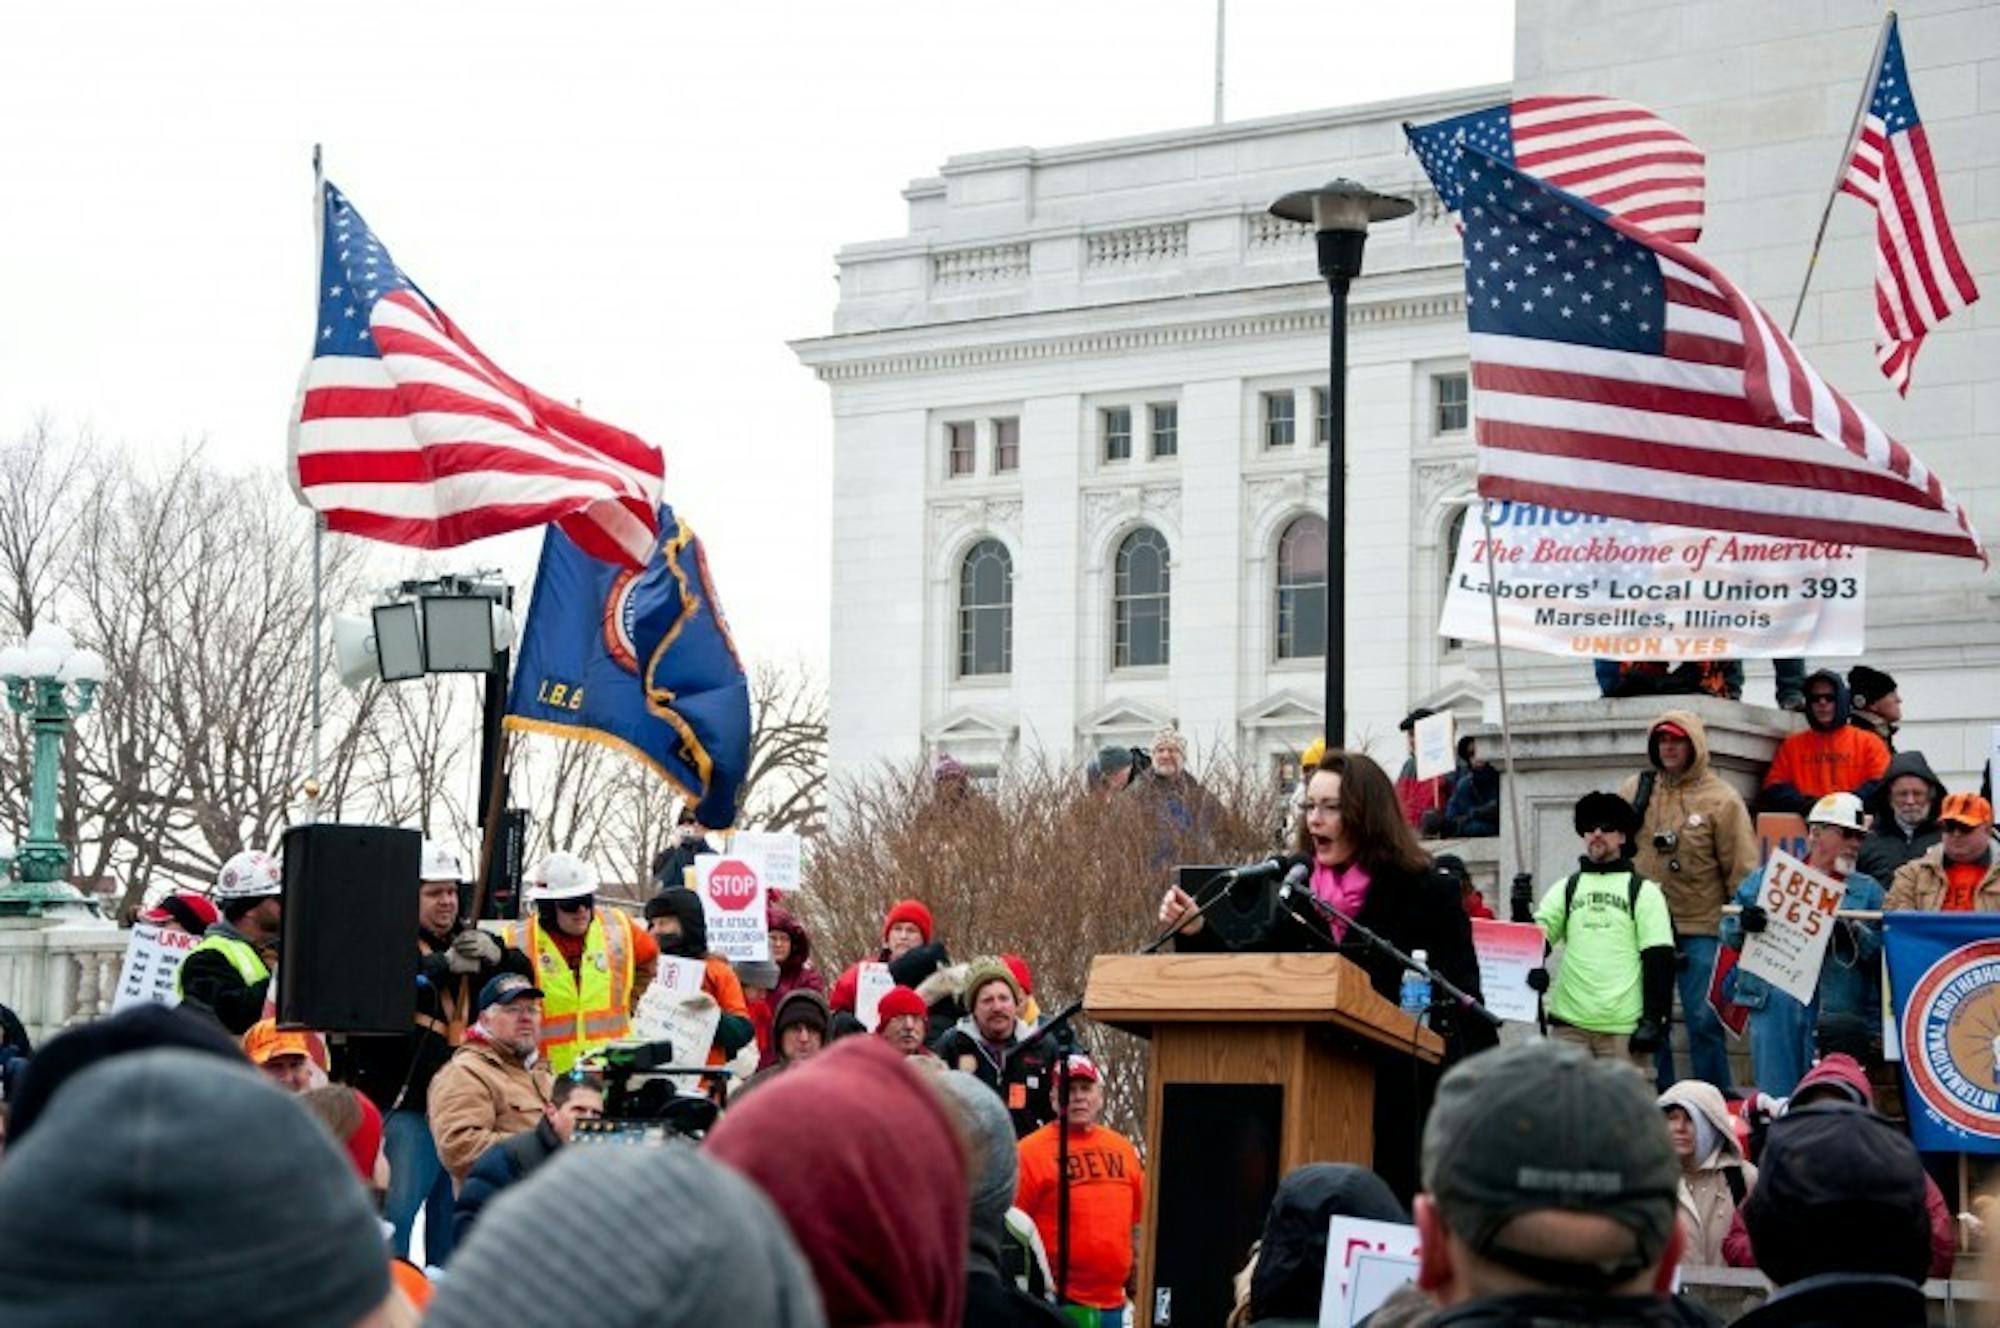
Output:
x,y
581,1015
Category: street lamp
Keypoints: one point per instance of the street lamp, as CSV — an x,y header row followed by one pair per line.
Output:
x,y
1340,211
48,679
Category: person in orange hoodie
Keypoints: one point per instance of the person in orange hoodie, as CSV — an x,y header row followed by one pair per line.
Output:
x,y
1828,756
680,928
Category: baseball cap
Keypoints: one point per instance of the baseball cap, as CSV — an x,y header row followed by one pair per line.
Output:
x,y
1841,1189
503,988
1666,728
1080,1066
265,1042
1966,809
1841,809
1538,1126
191,911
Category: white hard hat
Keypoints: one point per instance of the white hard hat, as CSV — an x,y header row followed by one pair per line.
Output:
x,y
251,874
561,876
1841,809
440,863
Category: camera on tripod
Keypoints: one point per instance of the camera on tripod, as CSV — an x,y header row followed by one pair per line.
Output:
x,y
642,1101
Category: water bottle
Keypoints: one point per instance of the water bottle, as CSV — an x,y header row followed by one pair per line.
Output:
x,y
1416,996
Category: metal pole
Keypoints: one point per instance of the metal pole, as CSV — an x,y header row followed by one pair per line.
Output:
x,y
313,786
1840,171
1221,8
1500,668
1336,516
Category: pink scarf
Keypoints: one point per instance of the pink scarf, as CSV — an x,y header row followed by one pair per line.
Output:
x,y
1346,888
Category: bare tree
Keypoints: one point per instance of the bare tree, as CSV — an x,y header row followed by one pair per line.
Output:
x,y
785,787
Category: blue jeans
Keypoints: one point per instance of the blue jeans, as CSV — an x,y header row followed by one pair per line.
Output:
x,y
417,1179
1706,1047
1781,1034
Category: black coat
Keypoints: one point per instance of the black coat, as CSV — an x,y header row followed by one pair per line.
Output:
x,y
992,1303
395,1070
498,1167
1414,911
1835,1300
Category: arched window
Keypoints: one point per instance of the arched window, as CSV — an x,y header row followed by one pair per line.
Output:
x,y
1140,601
1447,557
1302,589
986,610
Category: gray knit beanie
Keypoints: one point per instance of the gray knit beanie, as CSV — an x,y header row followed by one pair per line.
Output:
x,y
621,1237
996,1160
171,1187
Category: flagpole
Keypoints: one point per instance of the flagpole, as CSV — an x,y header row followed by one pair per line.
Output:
x,y
313,785
1840,171
1221,6
1500,670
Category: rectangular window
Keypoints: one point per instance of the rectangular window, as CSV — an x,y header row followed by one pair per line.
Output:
x,y
1322,418
958,448
1453,403
1116,423
1280,410
1006,445
1166,429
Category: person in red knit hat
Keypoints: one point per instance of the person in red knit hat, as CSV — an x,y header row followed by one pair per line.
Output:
x,y
906,936
902,1020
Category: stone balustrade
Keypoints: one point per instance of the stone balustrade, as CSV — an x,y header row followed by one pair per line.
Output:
x,y
57,976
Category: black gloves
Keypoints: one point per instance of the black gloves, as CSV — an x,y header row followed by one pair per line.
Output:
x,y
1538,979
1656,986
1755,919
1521,903
1647,1037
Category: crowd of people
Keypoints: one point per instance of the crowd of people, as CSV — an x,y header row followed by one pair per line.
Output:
x,y
916,1142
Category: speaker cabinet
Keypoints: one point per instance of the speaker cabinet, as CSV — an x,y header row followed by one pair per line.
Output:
x,y
348,957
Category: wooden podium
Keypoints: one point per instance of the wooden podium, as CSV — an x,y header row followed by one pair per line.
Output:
x,y
1261,1063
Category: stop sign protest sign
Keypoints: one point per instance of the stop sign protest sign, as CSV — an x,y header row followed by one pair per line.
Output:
x,y
732,884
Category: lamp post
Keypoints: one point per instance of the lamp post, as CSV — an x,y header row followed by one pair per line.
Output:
x,y
52,682
1340,213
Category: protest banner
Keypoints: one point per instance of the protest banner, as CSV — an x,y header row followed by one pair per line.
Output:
x,y
1799,904
777,855
1365,1262
1780,832
1598,588
1944,977
1508,952
732,902
1721,988
872,983
679,977
1434,751
152,966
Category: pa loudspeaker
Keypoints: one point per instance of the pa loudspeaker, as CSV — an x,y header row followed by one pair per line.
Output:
x,y
348,962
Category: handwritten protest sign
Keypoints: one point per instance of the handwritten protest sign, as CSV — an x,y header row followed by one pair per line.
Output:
x,y
152,965
1800,904
732,901
1508,952
777,855
681,978
871,985
1591,586
1365,1263
1434,754
669,1013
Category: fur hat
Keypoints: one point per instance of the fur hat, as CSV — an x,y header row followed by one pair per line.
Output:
x,y
1600,808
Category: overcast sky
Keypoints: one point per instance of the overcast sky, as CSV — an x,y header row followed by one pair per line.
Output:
x,y
634,205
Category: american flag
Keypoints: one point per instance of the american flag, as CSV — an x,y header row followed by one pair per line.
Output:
x,y
1621,157
1919,277
406,433
1619,374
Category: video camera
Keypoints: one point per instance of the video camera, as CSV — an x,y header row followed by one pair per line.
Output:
x,y
642,1103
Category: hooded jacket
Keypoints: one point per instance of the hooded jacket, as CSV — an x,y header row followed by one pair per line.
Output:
x,y
1021,1078
1834,757
1716,839
1707,1202
1888,845
1844,1074
1291,1260
797,971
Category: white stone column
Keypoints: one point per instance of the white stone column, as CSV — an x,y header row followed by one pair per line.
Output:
x,y
1047,573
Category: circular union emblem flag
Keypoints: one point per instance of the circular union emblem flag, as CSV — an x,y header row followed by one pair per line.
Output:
x,y
1951,1035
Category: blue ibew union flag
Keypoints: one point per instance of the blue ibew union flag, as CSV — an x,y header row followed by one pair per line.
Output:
x,y
1944,978
639,661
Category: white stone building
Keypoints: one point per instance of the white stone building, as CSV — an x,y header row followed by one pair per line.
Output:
x,y
1085,364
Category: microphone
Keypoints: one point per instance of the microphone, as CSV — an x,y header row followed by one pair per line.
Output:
x,y
1275,865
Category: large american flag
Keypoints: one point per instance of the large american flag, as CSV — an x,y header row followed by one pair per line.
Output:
x,y
1621,157
405,432
1621,375
1919,277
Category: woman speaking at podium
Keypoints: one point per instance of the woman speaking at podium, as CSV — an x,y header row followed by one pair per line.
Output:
x,y
1367,863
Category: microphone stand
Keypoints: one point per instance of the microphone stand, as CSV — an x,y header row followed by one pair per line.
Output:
x,y
1458,997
